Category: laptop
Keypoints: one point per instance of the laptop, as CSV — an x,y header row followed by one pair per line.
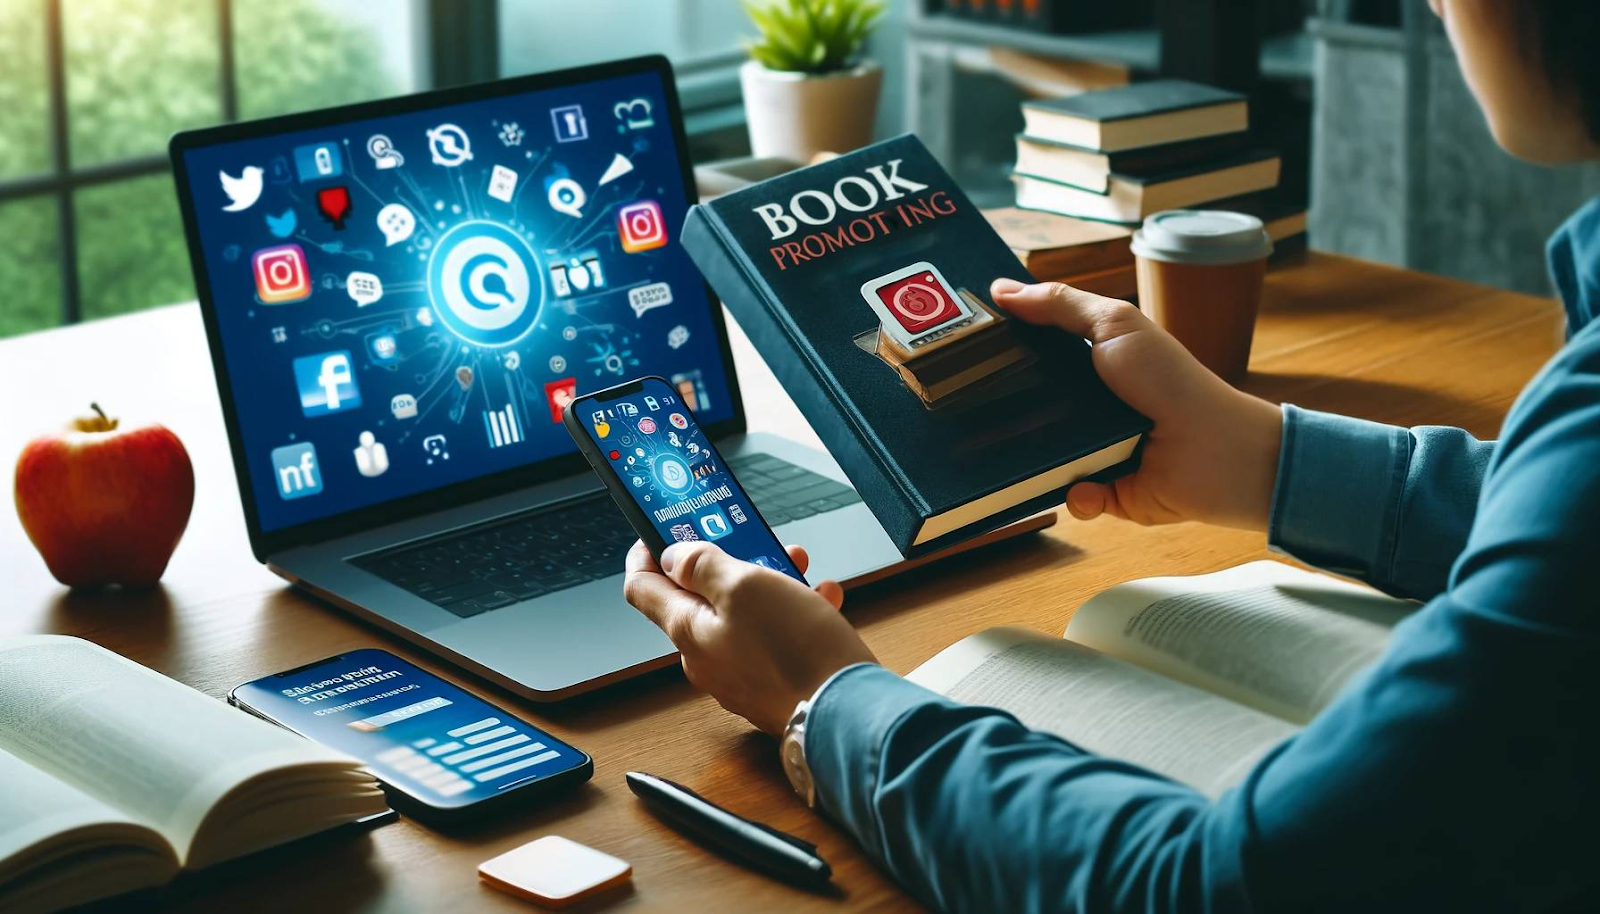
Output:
x,y
401,296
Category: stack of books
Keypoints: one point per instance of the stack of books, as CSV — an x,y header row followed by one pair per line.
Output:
x,y
1117,155
1093,256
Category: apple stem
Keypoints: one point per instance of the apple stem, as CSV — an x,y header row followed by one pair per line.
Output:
x,y
100,412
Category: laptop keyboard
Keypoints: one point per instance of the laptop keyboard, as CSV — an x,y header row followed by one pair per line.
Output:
x,y
540,552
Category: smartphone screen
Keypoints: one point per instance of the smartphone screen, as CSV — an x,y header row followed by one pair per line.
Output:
x,y
649,440
439,744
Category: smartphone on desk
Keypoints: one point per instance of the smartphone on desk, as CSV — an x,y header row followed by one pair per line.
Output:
x,y
441,753
666,477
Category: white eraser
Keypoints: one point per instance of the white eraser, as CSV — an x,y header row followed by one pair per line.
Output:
x,y
554,871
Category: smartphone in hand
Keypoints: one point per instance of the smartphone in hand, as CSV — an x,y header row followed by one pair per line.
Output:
x,y
666,476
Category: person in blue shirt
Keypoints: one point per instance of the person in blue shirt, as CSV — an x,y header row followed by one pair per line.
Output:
x,y
1460,772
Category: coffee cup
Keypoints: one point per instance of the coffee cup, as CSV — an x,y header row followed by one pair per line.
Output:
x,y
1200,274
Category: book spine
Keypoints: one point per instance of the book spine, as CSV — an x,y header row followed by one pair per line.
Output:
x,y
803,377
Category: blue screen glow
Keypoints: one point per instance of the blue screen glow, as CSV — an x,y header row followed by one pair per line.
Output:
x,y
408,302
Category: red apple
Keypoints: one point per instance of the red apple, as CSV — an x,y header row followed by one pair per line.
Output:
x,y
105,505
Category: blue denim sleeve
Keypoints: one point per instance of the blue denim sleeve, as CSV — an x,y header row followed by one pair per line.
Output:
x,y
1388,505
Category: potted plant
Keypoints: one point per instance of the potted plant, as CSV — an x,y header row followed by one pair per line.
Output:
x,y
806,88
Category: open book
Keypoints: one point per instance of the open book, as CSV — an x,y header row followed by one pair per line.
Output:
x,y
1192,677
114,777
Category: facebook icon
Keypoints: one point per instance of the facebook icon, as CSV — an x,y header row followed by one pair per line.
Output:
x,y
295,467
327,383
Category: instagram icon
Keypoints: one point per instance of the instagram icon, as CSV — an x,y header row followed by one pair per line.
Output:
x,y
281,274
640,226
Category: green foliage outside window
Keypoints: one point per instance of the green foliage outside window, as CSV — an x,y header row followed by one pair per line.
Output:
x,y
138,70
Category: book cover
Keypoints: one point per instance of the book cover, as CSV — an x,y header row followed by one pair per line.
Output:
x,y
851,272
1061,161
1158,96
1052,246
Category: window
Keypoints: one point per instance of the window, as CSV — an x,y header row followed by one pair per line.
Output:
x,y
91,89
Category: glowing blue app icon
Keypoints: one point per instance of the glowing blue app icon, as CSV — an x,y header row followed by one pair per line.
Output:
x,y
485,283
672,473
327,383
714,525
295,468
318,161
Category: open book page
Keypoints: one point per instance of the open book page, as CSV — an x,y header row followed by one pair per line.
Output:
x,y
52,835
1269,635
1106,706
158,751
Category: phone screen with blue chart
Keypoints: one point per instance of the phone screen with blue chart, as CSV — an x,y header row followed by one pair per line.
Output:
x,y
417,732
406,302
650,439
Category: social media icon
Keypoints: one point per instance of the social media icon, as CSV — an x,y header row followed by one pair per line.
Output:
x,y
363,288
512,361
484,282
282,225
372,457
580,273
640,226
647,425
683,533
633,114
678,421
318,161
714,525
569,123
566,196
647,297
243,191
464,378
511,134
737,513
502,183
396,222
384,155
434,447
558,394
383,347
673,473
280,334
404,406
651,403
677,336
620,165
327,383
627,409
334,205
295,468
449,146
602,428
281,274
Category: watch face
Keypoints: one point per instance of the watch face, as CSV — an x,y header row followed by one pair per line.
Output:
x,y
793,752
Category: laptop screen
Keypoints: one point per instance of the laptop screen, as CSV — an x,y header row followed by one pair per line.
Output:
x,y
405,302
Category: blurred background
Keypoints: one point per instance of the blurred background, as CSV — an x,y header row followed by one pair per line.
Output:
x,y
1378,134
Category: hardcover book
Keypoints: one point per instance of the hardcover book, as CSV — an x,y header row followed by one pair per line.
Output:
x,y
1131,198
1141,114
864,283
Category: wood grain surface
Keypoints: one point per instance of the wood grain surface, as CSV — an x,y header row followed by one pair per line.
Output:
x,y
1334,334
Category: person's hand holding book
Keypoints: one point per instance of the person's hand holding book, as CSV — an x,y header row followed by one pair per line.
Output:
x,y
1213,453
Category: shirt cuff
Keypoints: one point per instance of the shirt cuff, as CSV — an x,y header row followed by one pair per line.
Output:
x,y
1336,502
848,721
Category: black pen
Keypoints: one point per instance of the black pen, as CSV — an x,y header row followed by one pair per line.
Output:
x,y
761,846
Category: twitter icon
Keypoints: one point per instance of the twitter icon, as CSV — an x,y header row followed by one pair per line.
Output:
x,y
282,226
242,191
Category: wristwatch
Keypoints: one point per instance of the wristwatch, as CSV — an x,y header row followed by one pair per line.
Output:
x,y
793,750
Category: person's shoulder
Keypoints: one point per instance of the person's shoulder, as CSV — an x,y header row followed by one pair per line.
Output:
x,y
1573,253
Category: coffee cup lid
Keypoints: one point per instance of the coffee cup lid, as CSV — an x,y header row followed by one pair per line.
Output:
x,y
1202,236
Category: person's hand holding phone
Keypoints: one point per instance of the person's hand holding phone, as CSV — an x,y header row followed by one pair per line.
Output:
x,y
757,640
1212,454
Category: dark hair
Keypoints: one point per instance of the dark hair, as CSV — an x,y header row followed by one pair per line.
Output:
x,y
1561,35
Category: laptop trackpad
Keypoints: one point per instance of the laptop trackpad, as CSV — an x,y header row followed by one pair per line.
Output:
x,y
560,640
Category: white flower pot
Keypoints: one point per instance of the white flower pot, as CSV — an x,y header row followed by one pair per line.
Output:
x,y
797,115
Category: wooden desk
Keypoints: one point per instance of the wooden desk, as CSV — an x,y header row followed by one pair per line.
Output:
x,y
1335,334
